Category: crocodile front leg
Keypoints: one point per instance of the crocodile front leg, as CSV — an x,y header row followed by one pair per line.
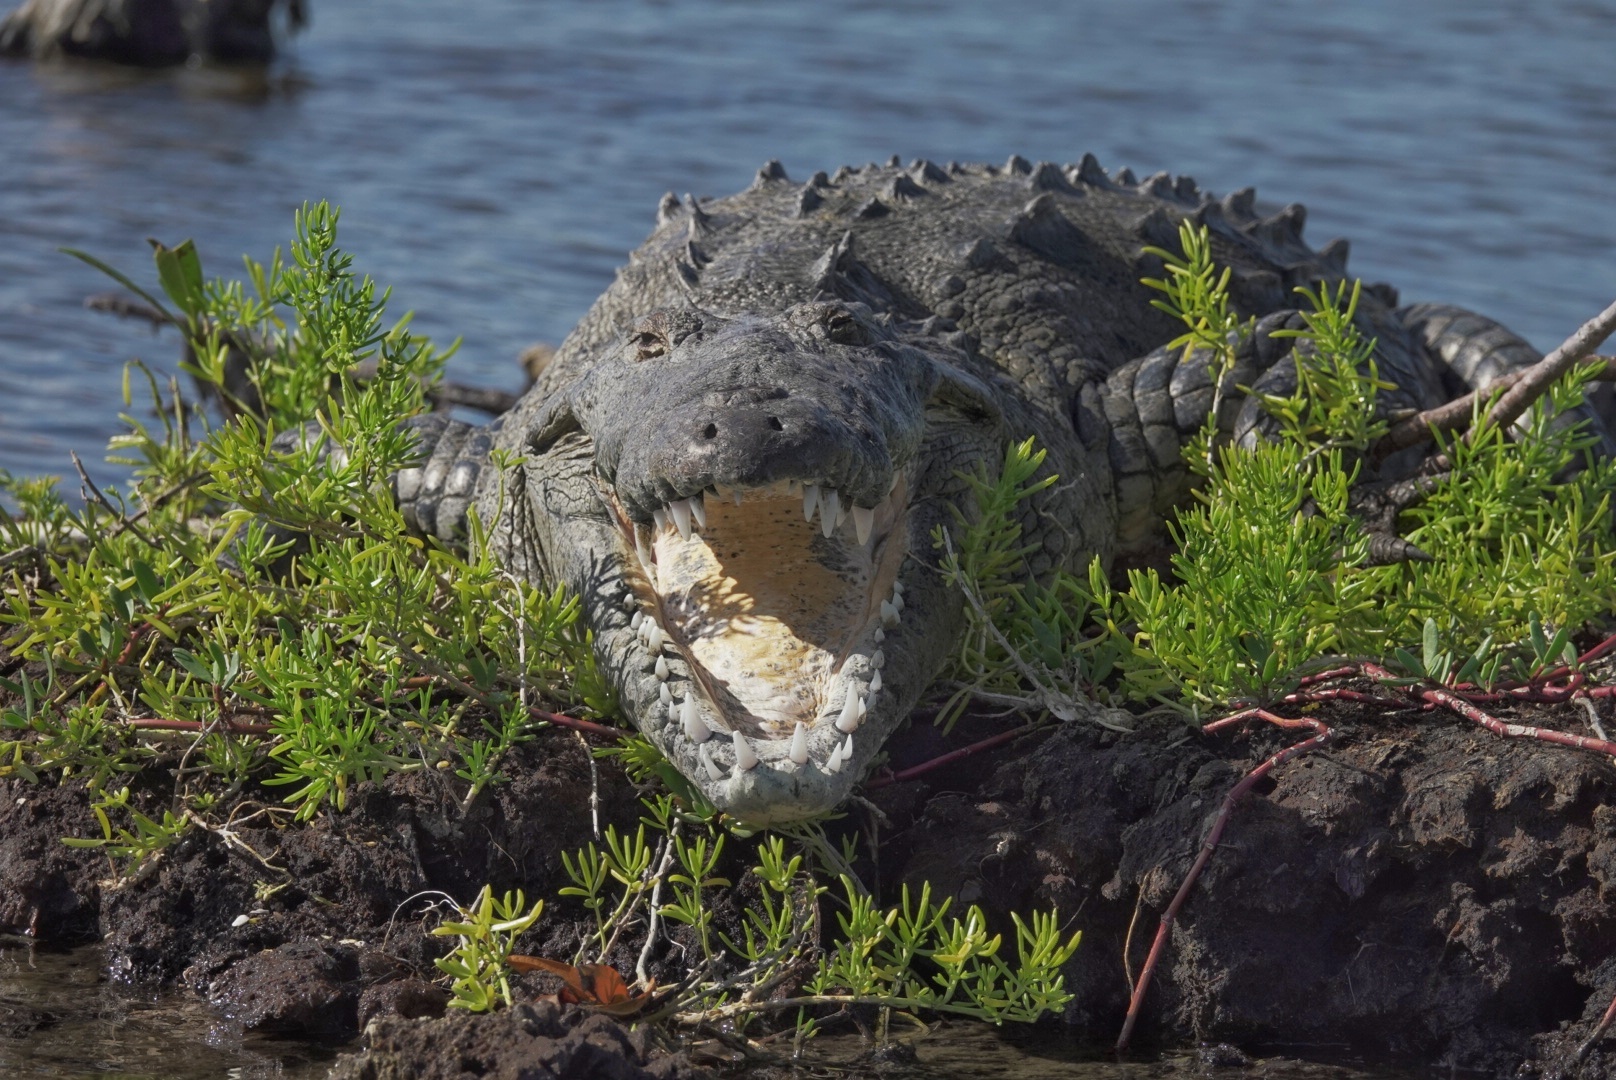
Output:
x,y
435,495
1149,407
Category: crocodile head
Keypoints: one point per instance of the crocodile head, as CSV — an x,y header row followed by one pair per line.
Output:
x,y
761,573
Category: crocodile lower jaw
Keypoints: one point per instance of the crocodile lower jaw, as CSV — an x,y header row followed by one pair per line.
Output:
x,y
762,613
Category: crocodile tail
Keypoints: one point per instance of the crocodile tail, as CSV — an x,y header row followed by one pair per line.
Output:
x,y
1472,352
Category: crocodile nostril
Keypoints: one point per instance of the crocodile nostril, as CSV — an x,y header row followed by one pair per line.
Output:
x,y
710,431
774,422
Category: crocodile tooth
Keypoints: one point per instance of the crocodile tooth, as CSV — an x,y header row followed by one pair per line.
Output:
x,y
642,551
833,764
810,498
847,747
746,758
698,509
880,635
680,510
635,620
799,744
842,507
662,670
660,516
863,522
897,601
897,588
696,729
889,614
878,659
629,601
831,509
849,720
713,771
653,636
862,710
665,694
875,681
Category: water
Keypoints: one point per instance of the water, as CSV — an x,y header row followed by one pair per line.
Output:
x,y
495,161
60,1018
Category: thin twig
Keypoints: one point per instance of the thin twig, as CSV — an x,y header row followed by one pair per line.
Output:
x,y
1127,939
1061,704
654,922
1535,382
594,783
88,489
1455,415
228,835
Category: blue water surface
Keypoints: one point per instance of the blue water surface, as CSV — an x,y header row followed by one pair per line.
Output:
x,y
495,160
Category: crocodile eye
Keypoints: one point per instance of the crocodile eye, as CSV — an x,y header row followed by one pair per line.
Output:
x,y
844,328
649,344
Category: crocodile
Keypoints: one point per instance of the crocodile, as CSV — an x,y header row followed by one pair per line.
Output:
x,y
739,457
148,33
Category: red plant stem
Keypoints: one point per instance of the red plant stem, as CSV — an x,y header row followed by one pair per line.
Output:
x,y
938,762
1332,693
586,726
1603,1025
1598,650
1492,723
229,727
1326,676
1209,845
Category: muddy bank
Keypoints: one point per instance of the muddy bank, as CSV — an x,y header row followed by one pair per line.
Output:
x,y
1419,890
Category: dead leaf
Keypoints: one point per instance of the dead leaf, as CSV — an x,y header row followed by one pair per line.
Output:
x,y
597,986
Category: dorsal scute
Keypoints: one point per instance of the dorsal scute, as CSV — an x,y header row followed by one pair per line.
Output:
x,y
1042,238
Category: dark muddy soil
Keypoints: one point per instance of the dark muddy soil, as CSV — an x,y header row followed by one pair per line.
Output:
x,y
1419,891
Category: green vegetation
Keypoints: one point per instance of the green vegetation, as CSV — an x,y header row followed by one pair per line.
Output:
x,y
1270,572
174,604
910,958
480,963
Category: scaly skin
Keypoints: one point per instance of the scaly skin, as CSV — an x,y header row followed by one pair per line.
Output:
x,y
867,336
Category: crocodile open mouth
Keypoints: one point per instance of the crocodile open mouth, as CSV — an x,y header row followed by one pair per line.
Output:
x,y
777,600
